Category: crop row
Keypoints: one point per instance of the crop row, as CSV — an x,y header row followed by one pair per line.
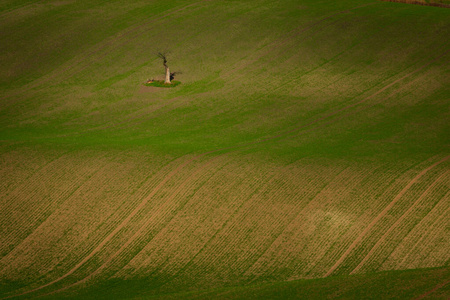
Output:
x,y
76,220
196,217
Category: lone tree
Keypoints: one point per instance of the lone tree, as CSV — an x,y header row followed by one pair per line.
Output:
x,y
168,77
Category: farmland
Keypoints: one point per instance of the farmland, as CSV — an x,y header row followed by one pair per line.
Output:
x,y
306,149
438,3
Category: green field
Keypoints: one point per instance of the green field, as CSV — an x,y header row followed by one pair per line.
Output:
x,y
438,3
306,151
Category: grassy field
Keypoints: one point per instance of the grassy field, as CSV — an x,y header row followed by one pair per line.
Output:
x,y
410,284
308,139
438,3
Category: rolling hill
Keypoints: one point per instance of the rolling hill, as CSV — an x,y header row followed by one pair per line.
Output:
x,y
306,149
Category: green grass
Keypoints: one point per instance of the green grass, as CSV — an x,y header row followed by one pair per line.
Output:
x,y
296,125
229,103
161,83
408,284
439,3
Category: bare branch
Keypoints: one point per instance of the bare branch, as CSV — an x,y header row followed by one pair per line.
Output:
x,y
163,56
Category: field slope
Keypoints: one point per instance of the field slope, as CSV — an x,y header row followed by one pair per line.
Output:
x,y
307,139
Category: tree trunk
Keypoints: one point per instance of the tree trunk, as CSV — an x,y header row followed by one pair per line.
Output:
x,y
167,75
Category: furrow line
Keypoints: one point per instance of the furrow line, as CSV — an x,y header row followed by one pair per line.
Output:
x,y
278,240
342,221
244,145
243,265
169,213
241,66
291,231
156,253
320,66
436,244
329,214
384,193
36,172
293,33
429,228
113,233
210,240
226,210
437,287
309,247
335,112
390,176
387,258
48,206
395,225
258,212
160,235
392,189
377,218
70,192
85,246
10,161
331,114
136,234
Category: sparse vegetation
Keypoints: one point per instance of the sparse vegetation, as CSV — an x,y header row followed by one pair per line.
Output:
x,y
308,139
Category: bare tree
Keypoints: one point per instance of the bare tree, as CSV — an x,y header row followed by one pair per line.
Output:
x,y
164,57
